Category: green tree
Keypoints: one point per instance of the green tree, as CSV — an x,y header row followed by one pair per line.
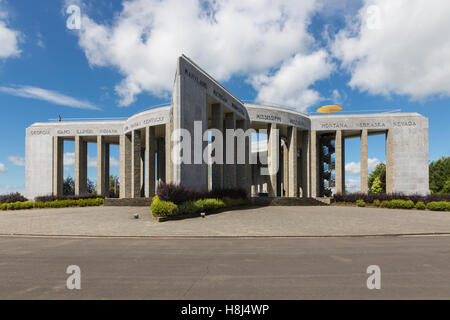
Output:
x,y
378,172
446,188
377,186
439,171
113,187
68,186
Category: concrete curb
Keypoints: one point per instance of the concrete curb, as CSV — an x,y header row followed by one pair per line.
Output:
x,y
398,235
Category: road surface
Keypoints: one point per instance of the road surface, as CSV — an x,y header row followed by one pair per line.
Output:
x,y
226,268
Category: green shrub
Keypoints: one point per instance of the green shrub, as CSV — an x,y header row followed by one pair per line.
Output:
x,y
438,206
409,204
163,208
18,205
360,203
189,207
376,203
209,204
420,205
401,204
385,204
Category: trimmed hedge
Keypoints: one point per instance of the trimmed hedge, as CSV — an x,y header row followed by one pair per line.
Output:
x,y
420,205
16,205
51,204
438,206
371,197
403,204
161,208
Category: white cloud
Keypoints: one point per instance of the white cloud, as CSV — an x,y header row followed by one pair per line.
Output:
x,y
290,85
226,38
113,162
352,185
400,47
2,168
69,160
49,96
9,38
17,161
355,167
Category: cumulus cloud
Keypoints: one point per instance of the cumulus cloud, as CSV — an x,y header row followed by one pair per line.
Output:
x,y
400,47
290,85
9,38
355,167
2,168
227,38
17,161
49,96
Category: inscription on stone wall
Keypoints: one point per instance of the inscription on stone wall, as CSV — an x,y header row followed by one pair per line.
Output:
x,y
195,78
41,132
372,125
267,117
404,124
334,125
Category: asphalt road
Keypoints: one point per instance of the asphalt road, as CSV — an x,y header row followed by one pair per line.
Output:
x,y
230,268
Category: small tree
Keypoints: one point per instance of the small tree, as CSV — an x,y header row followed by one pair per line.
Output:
x,y
378,172
439,171
377,186
68,186
91,186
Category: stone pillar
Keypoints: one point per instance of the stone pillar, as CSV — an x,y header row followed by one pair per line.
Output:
x,y
125,166
230,157
340,162
169,166
244,170
80,166
273,145
285,190
106,157
136,164
315,174
150,148
364,163
161,160
306,164
292,162
101,187
390,161
217,123
58,165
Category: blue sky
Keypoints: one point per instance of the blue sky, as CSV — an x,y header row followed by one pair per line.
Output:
x,y
365,55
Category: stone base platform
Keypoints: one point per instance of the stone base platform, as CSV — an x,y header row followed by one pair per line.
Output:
x,y
128,202
258,201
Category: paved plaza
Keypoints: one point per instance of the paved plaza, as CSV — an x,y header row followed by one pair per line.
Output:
x,y
250,222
